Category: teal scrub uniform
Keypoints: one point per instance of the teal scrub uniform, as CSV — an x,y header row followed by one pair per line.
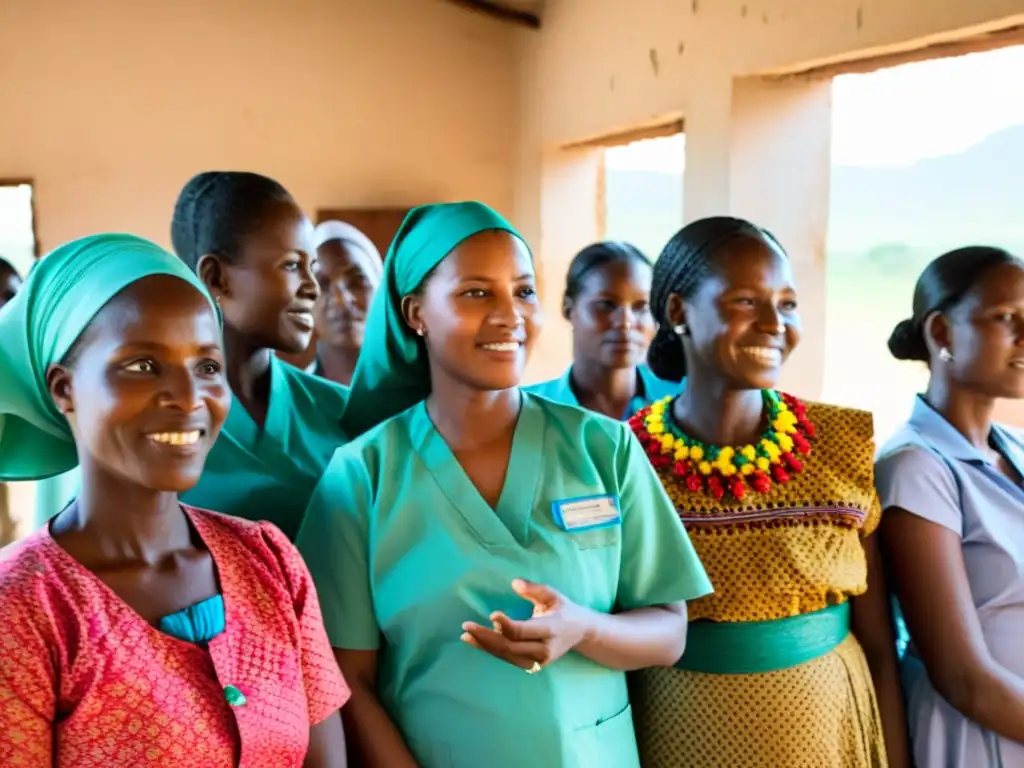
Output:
x,y
270,473
649,389
401,545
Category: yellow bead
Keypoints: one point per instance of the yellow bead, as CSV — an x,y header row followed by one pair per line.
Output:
x,y
682,452
729,470
746,469
785,441
726,453
655,429
763,464
704,468
668,442
748,452
696,453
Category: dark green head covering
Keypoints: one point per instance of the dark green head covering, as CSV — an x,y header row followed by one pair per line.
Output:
x,y
392,374
38,327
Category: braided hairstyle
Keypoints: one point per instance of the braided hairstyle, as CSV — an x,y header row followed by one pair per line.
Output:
x,y
593,257
941,286
684,263
217,209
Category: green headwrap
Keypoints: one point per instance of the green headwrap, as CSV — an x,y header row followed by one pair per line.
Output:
x,y
391,374
38,327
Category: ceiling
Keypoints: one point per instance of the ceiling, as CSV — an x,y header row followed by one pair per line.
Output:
x,y
529,6
526,12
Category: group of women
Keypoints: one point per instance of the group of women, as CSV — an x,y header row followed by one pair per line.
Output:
x,y
663,564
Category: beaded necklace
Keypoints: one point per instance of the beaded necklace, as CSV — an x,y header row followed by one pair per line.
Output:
x,y
714,470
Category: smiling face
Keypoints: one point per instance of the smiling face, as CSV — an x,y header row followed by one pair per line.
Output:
x,y
742,319
479,312
985,335
611,315
347,280
145,393
269,294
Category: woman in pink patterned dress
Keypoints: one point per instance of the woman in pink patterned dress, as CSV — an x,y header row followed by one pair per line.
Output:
x,y
134,630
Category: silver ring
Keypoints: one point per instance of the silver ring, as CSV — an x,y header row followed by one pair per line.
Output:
x,y
535,668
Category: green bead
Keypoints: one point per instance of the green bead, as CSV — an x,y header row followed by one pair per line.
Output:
x,y
234,696
739,460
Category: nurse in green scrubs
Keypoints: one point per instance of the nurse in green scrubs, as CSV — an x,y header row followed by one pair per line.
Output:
x,y
489,563
607,302
252,246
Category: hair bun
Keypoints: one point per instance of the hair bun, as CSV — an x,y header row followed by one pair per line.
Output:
x,y
907,342
665,356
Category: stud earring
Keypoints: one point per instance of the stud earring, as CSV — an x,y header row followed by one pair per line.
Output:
x,y
945,355
421,331
680,330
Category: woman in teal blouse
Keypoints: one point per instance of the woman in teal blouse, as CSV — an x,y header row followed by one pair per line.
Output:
x,y
489,562
252,246
607,302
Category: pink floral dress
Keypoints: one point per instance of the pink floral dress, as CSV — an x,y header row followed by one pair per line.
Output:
x,y
87,682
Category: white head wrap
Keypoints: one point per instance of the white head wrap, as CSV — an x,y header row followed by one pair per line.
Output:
x,y
339,230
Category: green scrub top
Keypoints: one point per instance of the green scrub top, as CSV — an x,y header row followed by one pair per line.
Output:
x,y
649,389
401,545
269,474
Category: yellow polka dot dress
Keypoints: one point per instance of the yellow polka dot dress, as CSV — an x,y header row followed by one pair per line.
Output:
x,y
791,550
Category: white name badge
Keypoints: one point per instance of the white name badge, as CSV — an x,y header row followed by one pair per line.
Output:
x,y
585,513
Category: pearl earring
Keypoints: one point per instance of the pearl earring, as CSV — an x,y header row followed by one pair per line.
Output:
x,y
945,355
680,330
421,332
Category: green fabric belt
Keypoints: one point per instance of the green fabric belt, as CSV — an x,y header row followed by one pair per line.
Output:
x,y
751,647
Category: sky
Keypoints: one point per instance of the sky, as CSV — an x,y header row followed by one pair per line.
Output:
x,y
894,117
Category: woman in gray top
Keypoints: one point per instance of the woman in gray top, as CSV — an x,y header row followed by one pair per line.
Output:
x,y
950,482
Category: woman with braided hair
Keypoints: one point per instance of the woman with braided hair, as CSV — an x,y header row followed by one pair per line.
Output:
x,y
248,241
791,662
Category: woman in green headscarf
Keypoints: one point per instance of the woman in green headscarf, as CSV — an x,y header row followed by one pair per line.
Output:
x,y
504,558
110,358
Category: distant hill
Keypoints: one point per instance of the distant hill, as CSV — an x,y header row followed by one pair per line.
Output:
x,y
974,197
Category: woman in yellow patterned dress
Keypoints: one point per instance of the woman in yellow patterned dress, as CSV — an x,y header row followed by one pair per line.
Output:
x,y
791,663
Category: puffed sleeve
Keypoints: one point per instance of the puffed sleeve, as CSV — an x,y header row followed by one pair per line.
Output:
x,y
28,677
326,689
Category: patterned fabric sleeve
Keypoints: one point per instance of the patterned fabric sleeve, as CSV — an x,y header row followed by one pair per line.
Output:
x,y
326,689
27,675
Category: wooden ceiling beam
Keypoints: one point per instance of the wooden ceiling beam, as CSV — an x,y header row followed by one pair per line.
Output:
x,y
499,11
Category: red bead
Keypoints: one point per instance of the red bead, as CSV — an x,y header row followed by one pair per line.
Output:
x,y
694,482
